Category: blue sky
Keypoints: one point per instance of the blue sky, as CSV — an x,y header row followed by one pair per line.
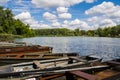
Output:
x,y
72,14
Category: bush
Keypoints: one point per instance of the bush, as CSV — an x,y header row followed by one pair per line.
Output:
x,y
6,37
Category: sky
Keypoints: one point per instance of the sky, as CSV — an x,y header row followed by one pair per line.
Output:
x,y
71,14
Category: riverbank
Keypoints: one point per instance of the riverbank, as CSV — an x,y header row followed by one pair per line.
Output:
x,y
9,37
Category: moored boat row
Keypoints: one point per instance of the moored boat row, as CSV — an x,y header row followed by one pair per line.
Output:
x,y
35,62
47,66
29,48
80,68
26,57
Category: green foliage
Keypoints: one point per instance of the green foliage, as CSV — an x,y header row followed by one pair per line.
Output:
x,y
6,37
54,32
9,25
101,32
109,31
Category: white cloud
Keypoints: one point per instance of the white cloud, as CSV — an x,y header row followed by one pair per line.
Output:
x,y
56,3
50,17
114,14
106,8
26,18
65,22
79,24
44,26
65,16
107,23
102,22
56,24
89,1
76,24
62,10
104,15
93,19
23,16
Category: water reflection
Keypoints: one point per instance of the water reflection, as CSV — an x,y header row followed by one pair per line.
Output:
x,y
106,48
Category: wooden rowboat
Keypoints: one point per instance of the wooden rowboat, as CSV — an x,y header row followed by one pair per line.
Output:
x,y
48,67
112,72
25,57
26,48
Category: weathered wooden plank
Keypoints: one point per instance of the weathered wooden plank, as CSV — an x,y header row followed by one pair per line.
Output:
x,y
61,70
78,59
44,71
84,75
19,55
52,77
42,61
113,62
114,77
68,65
40,66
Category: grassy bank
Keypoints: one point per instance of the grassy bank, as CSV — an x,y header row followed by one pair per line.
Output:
x,y
8,37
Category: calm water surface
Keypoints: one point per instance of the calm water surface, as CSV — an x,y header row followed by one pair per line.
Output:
x,y
107,48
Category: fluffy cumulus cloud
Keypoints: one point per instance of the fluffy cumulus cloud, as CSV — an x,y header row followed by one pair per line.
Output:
x,y
56,3
106,8
93,19
44,26
63,13
79,24
101,22
65,16
107,23
62,10
23,16
76,24
50,17
26,18
56,24
104,15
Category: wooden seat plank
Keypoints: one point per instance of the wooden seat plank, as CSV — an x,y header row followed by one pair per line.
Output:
x,y
52,77
84,75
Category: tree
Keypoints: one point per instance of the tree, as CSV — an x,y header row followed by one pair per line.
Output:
x,y
77,32
10,25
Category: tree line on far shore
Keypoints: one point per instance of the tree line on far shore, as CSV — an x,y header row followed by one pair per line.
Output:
x,y
100,32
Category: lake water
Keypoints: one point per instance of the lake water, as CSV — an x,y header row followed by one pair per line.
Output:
x,y
106,48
